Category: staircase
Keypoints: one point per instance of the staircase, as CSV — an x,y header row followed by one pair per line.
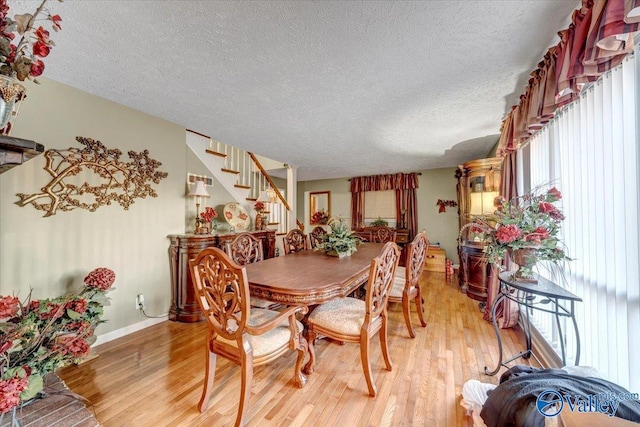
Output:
x,y
242,175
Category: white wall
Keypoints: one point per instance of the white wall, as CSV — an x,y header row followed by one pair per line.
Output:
x,y
52,255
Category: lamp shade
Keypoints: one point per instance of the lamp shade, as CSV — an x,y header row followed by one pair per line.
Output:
x,y
263,197
481,203
199,190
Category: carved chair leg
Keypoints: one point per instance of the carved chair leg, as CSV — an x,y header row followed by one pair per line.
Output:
x,y
366,364
209,374
311,364
303,348
384,343
245,389
406,311
420,308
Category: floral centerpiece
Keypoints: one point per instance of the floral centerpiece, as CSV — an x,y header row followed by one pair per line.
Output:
x,y
39,336
24,41
340,240
320,217
259,207
527,228
209,218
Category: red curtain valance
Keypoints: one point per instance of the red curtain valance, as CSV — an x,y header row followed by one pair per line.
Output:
x,y
599,37
398,181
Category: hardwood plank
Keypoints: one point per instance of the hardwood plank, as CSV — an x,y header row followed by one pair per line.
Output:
x,y
154,377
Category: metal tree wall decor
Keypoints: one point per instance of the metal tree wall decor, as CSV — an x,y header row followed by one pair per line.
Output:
x,y
112,179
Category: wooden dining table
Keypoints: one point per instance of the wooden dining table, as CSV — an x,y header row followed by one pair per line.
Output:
x,y
310,278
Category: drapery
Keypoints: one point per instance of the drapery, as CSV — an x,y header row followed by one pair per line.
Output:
x,y
599,37
404,184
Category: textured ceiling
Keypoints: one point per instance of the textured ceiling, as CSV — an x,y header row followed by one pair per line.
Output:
x,y
335,89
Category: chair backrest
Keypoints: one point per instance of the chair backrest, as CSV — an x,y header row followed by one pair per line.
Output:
x,y
383,234
245,249
416,254
381,277
295,241
317,236
222,290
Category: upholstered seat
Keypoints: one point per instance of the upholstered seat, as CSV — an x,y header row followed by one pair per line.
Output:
x,y
356,321
246,336
406,284
271,340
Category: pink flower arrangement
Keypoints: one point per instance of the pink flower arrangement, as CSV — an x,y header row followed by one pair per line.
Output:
x,y
39,336
529,221
22,59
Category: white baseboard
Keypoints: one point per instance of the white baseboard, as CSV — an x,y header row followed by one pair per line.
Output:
x,y
119,333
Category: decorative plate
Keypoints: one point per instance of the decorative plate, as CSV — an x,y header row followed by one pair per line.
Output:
x,y
236,216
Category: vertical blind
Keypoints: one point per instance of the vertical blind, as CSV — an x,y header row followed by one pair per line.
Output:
x,y
590,152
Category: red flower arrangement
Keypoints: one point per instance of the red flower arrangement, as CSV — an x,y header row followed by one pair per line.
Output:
x,y
208,215
22,59
259,207
531,221
39,336
320,217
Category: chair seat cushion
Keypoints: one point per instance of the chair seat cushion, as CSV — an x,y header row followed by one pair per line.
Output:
x,y
343,315
260,303
398,287
401,272
270,341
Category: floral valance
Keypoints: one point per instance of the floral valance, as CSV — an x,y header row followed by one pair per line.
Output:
x,y
599,37
398,181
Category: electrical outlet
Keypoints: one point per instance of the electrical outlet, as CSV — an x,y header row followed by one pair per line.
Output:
x,y
139,302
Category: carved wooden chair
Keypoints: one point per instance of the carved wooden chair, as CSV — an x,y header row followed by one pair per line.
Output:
x,y
246,249
246,336
354,320
317,236
295,241
383,234
406,286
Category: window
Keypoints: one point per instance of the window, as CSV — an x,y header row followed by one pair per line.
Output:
x,y
589,151
380,204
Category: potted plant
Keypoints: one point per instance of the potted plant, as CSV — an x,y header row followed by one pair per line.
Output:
x,y
340,241
526,227
379,223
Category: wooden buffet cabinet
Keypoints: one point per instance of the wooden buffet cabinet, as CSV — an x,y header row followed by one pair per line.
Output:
x,y
183,247
478,185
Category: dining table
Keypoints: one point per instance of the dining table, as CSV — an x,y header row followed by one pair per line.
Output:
x,y
310,278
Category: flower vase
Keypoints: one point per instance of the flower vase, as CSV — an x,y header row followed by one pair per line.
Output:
x,y
203,228
526,258
12,92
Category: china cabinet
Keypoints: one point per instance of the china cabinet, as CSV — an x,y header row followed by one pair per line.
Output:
x,y
478,186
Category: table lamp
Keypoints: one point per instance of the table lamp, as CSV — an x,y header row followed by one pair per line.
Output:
x,y
198,191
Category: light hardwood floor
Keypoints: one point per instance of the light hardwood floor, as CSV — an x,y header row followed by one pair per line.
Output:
x,y
154,377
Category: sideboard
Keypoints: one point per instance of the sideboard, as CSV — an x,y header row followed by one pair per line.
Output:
x,y
183,247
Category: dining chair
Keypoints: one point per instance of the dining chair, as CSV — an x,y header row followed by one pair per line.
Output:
x,y
247,249
246,336
406,287
317,236
356,321
294,241
383,234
